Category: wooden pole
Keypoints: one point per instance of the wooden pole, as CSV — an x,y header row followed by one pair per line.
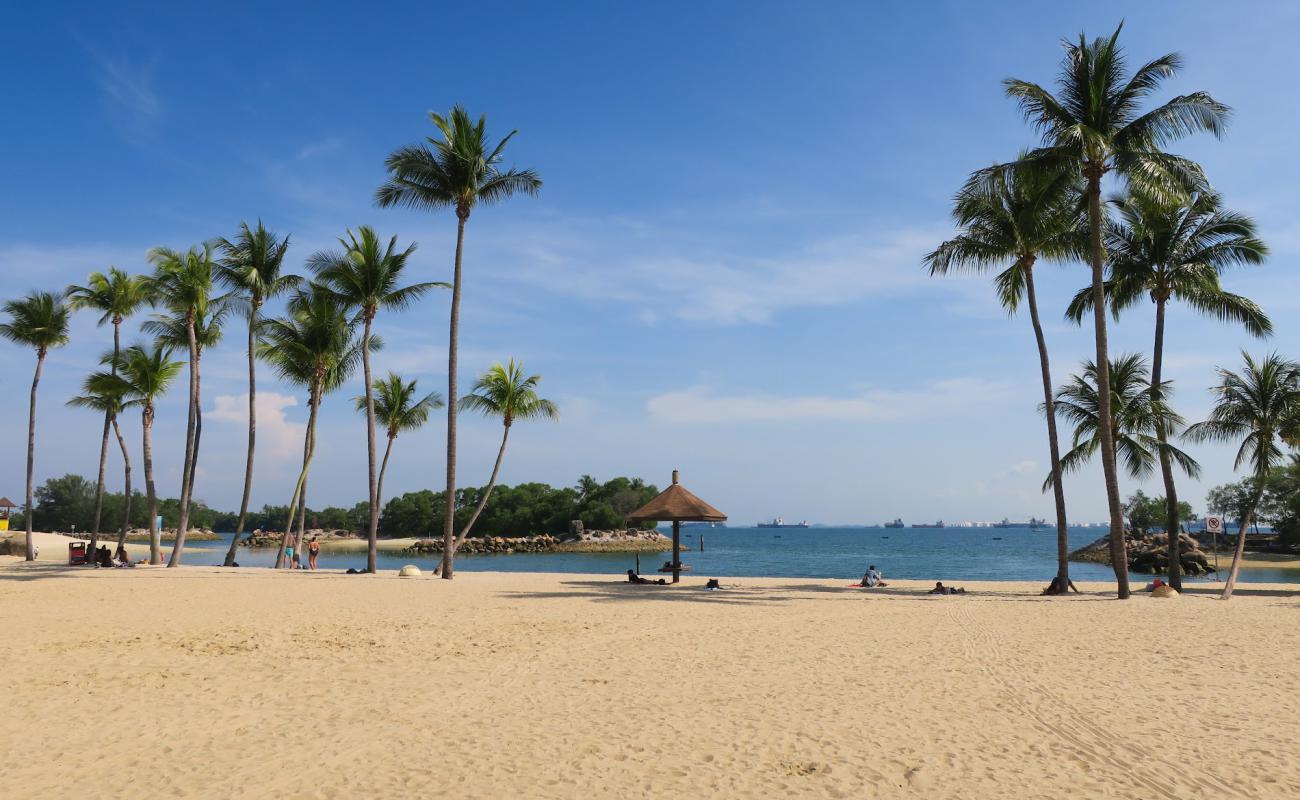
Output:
x,y
677,551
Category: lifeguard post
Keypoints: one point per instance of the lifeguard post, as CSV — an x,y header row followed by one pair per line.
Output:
x,y
6,508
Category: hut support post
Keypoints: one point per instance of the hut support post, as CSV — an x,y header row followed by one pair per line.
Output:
x,y
677,551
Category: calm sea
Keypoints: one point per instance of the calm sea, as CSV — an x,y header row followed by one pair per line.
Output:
x,y
948,554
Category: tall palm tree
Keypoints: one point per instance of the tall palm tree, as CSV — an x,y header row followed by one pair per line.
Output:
x,y
116,296
141,374
365,277
1136,417
110,403
184,282
1095,125
174,331
39,321
503,391
314,346
1019,217
395,407
250,267
1255,408
1177,251
460,168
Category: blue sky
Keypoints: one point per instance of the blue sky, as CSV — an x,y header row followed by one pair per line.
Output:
x,y
722,272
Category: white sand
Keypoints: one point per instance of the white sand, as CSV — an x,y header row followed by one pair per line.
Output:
x,y
248,683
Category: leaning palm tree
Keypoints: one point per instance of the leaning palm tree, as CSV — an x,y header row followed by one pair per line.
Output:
x,y
183,282
396,408
116,296
140,375
250,268
1256,409
365,277
1177,251
503,391
1136,417
1013,219
110,403
39,321
314,346
1095,125
459,169
174,331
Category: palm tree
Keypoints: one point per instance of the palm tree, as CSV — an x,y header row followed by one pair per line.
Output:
x,y
504,392
394,405
1096,125
314,346
461,168
250,268
1018,217
110,403
1169,252
39,321
184,283
116,296
140,375
1137,418
1255,408
366,276
174,331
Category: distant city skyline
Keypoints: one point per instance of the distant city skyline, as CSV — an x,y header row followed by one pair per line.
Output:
x,y
722,272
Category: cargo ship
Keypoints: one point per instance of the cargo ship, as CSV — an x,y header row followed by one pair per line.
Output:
x,y
1033,524
897,523
780,523
938,524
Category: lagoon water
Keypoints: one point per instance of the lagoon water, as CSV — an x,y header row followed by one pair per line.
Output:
x,y
949,554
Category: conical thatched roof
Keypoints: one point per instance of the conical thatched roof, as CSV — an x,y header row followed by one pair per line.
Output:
x,y
676,504
5,502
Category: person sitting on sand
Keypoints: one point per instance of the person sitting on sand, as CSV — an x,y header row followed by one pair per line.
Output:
x,y
1153,585
939,588
873,578
123,560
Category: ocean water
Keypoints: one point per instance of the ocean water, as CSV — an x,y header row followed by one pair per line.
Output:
x,y
947,554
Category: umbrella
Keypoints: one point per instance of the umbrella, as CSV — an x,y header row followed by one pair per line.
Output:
x,y
676,505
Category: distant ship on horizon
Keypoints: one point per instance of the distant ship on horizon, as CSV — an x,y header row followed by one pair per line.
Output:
x,y
1033,524
938,524
897,523
781,523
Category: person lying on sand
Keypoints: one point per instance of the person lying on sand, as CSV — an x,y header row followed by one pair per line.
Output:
x,y
939,588
632,577
1153,585
873,578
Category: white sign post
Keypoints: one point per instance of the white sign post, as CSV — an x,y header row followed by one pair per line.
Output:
x,y
1214,524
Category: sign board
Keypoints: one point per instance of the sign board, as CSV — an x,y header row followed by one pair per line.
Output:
x,y
1214,524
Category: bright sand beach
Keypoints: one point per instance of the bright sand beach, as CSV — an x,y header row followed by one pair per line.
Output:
x,y
203,682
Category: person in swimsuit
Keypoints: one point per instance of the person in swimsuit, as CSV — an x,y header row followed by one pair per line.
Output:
x,y
313,550
288,554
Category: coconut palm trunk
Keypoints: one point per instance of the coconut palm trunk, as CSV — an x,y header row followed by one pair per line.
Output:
x,y
109,420
1118,549
126,470
372,529
1241,537
31,450
196,381
1054,448
449,516
151,489
300,488
187,470
1172,521
482,503
252,432
383,468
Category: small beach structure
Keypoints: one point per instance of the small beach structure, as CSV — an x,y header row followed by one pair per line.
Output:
x,y
676,505
7,507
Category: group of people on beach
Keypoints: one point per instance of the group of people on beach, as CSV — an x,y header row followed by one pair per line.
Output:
x,y
874,579
293,559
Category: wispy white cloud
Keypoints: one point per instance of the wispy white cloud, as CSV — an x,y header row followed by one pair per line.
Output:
x,y
128,93
277,437
958,396
662,274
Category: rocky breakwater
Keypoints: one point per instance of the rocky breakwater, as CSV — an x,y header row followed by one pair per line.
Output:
x,y
261,538
631,540
139,535
1149,552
